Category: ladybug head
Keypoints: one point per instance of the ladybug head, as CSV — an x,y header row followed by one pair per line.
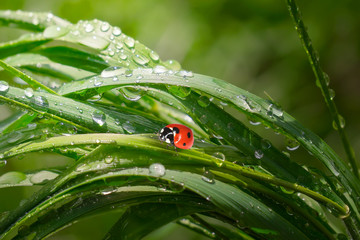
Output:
x,y
167,135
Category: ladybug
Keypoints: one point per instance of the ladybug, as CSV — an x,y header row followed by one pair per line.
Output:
x,y
178,135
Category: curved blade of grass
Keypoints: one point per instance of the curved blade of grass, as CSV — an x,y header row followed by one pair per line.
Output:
x,y
29,20
16,179
23,44
322,80
140,220
15,121
190,223
233,202
32,82
80,114
248,103
143,141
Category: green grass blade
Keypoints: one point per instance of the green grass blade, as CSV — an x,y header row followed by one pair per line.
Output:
x,y
29,20
140,220
16,179
246,102
322,80
32,82
83,115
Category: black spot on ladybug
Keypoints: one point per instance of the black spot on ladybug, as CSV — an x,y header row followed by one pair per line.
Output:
x,y
176,130
189,135
184,144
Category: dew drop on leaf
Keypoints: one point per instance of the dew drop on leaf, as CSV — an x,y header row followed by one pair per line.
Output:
x,y
203,101
292,144
12,177
176,187
104,27
99,117
342,123
258,154
116,31
158,69
129,42
157,170
98,82
131,93
208,177
55,31
40,101
89,27
29,92
184,74
113,71
109,159
179,91
221,158
140,59
42,176
94,41
4,87
154,56
332,94
172,65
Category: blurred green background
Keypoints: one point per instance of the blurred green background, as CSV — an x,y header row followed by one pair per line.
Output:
x,y
250,43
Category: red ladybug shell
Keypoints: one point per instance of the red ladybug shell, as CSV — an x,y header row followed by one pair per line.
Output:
x,y
178,135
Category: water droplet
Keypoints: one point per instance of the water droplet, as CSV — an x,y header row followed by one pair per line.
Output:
x,y
113,71
208,177
253,122
327,79
158,69
203,101
176,187
42,176
98,82
292,144
130,128
55,31
94,41
185,74
4,87
109,159
129,42
179,91
221,158
99,117
275,110
40,101
140,59
104,26
172,65
12,177
331,93
116,31
89,27
157,170
342,123
29,92
154,56
258,154
131,93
